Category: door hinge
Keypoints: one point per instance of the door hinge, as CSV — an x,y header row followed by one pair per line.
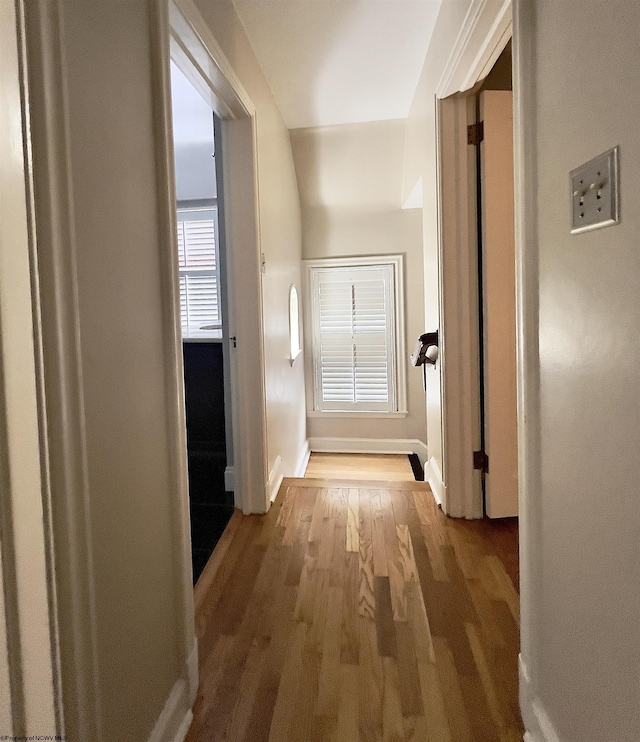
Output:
x,y
475,133
481,461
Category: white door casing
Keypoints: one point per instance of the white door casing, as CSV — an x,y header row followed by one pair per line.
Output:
x,y
30,701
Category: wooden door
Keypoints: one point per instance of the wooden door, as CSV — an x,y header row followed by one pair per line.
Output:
x,y
499,310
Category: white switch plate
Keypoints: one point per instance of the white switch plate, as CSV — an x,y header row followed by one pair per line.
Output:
x,y
594,193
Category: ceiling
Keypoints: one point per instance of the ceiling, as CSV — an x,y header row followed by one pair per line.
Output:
x,y
340,61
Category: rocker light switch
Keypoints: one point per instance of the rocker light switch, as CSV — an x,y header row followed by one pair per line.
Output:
x,y
594,193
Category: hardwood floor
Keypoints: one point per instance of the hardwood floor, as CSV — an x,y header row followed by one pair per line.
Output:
x,y
393,467
357,612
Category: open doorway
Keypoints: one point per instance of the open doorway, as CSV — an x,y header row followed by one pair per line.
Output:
x,y
204,317
492,137
477,283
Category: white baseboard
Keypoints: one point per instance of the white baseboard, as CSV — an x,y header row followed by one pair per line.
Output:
x,y
276,475
433,475
193,673
176,716
536,721
369,445
229,479
280,470
303,460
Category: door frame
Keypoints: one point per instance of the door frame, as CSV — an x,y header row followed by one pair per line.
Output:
x,y
182,35
196,52
30,664
485,32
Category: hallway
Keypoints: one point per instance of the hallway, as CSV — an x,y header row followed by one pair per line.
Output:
x,y
356,612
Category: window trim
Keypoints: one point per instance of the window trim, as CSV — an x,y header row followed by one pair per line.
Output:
x,y
396,262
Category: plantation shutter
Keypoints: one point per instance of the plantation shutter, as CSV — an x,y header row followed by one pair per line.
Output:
x,y
354,338
199,273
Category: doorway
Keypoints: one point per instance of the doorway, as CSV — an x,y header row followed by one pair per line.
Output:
x,y
493,141
194,50
203,318
467,474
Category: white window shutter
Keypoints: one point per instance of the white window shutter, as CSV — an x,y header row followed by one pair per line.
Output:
x,y
354,344
200,244
199,273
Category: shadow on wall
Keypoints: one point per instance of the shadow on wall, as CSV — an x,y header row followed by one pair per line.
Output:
x,y
350,184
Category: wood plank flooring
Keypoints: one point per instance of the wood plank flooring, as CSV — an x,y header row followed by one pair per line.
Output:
x,y
360,466
357,612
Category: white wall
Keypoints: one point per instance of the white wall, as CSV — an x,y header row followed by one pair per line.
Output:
x,y
420,161
350,183
279,222
583,552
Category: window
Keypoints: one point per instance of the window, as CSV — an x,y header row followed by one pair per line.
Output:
x,y
356,307
295,346
199,273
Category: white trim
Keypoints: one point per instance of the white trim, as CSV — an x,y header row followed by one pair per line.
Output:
x,y
171,326
280,470
366,415
370,445
303,459
527,328
483,35
433,475
30,665
537,723
63,423
192,39
176,716
276,475
229,479
192,674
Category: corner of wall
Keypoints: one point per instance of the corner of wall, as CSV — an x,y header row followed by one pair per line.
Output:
x,y
280,470
276,475
176,716
538,726
303,459
433,475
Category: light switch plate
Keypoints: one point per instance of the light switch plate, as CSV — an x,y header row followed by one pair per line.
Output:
x,y
595,193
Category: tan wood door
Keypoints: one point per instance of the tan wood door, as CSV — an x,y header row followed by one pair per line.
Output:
x,y
499,312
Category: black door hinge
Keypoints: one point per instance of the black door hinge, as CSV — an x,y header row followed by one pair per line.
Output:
x,y
481,461
475,133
